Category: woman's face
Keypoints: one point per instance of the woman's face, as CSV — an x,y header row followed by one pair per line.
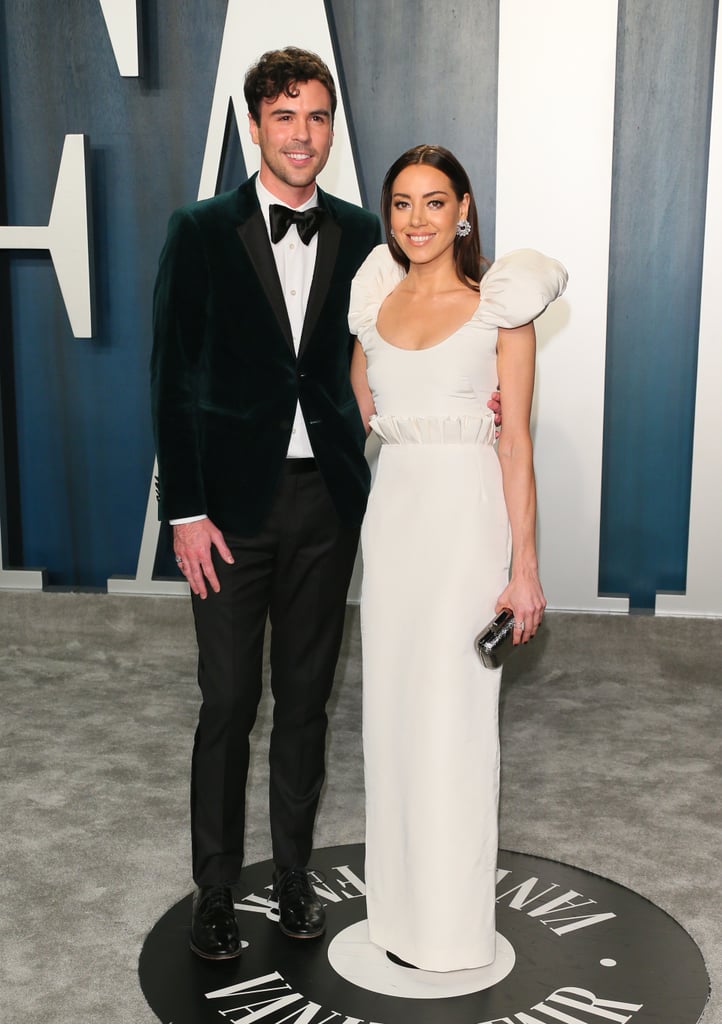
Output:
x,y
425,212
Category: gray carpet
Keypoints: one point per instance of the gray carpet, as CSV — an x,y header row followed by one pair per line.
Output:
x,y
611,762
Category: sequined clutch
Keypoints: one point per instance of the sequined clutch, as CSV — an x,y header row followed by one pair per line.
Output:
x,y
495,642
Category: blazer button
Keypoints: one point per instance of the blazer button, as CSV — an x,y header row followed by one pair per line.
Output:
x,y
301,375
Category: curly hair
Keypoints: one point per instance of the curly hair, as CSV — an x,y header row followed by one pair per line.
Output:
x,y
470,265
281,71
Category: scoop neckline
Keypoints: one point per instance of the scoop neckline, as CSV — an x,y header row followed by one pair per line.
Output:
x,y
426,348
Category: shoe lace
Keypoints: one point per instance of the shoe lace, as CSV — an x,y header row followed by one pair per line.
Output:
x,y
218,898
294,882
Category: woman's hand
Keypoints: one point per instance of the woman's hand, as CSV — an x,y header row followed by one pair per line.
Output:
x,y
494,404
525,597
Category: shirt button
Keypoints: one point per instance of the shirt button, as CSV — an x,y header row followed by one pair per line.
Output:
x,y
293,291
292,246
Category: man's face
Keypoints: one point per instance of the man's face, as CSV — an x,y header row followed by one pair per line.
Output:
x,y
295,137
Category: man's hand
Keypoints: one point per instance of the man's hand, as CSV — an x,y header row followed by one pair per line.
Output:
x,y
192,543
494,404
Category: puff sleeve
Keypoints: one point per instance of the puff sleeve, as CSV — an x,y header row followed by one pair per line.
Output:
x,y
518,287
376,278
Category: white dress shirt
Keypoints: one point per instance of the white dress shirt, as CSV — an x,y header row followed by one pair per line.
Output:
x,y
295,263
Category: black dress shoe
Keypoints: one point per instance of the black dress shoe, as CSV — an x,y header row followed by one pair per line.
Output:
x,y
300,912
214,929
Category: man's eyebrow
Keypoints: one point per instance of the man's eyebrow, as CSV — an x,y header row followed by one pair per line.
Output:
x,y
290,110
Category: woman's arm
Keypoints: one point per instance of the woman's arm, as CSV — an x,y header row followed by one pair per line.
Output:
x,y
516,352
360,385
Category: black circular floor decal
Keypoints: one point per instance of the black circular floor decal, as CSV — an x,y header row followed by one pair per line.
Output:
x,y
572,948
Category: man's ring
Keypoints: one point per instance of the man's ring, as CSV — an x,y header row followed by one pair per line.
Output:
x,y
520,625
178,559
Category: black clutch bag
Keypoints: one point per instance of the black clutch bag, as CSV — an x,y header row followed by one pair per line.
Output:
x,y
495,641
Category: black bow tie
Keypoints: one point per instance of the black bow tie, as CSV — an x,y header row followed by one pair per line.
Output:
x,y
307,222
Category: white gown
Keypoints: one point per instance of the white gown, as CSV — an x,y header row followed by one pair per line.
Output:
x,y
436,551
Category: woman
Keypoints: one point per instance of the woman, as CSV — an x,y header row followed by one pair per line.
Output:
x,y
446,510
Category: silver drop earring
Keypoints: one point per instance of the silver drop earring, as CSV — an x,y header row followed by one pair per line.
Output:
x,y
463,228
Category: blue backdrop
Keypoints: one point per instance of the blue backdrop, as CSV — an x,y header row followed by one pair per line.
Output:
x,y
76,439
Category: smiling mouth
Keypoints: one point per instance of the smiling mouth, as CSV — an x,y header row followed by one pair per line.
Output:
x,y
419,239
299,158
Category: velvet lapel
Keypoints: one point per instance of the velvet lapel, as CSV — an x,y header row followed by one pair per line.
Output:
x,y
329,238
254,236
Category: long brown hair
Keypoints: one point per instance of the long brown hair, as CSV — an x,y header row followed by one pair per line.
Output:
x,y
468,260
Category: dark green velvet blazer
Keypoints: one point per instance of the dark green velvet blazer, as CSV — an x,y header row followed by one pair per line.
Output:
x,y
224,375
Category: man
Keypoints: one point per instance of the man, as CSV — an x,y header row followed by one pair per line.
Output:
x,y
262,474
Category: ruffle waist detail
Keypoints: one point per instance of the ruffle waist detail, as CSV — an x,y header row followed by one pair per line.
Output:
x,y
434,429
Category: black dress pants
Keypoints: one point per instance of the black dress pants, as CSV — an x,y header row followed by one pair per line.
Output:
x,y
296,572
